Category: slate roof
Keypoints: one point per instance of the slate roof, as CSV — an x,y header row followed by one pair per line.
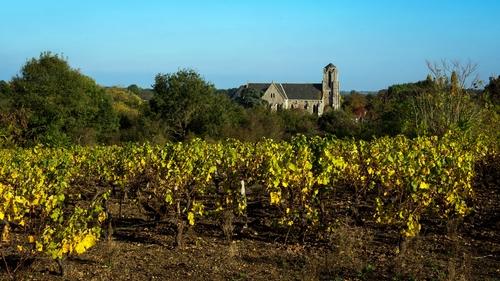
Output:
x,y
294,91
303,91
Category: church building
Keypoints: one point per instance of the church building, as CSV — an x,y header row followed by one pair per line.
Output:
x,y
312,97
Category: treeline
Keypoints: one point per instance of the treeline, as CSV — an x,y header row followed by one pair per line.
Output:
x,y
51,103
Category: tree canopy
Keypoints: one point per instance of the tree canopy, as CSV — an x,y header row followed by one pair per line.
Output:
x,y
187,104
63,105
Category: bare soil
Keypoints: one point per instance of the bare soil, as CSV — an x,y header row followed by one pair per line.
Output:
x,y
141,249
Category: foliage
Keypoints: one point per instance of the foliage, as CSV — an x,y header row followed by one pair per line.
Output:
x,y
37,204
492,91
144,94
179,100
219,115
63,105
355,103
13,122
339,123
297,121
130,109
256,123
54,200
445,106
249,97
51,103
392,107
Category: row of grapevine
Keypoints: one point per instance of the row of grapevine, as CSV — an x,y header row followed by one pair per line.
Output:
x,y
55,200
39,212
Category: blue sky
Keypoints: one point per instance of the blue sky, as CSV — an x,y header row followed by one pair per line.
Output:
x,y
230,42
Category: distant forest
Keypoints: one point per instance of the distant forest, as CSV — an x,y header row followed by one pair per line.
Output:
x,y
51,103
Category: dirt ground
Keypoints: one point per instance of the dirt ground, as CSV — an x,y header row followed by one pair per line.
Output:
x,y
144,250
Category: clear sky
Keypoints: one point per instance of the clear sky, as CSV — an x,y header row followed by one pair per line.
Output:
x,y
374,43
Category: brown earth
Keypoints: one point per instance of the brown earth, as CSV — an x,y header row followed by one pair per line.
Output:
x,y
141,249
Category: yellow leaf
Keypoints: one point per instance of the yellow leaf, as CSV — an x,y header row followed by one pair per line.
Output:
x,y
6,233
31,239
191,218
168,198
275,197
39,246
102,217
87,242
66,248
424,185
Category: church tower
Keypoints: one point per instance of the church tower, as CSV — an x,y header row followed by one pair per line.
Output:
x,y
331,88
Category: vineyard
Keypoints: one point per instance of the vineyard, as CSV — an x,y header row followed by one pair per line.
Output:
x,y
58,203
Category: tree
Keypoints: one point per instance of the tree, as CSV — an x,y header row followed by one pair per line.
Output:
x,y
219,114
447,105
130,109
493,91
339,123
4,87
250,97
356,104
297,121
180,98
464,73
134,89
389,112
255,123
13,121
5,96
63,105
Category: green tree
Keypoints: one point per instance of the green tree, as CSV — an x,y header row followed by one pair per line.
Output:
x,y
5,96
389,112
13,121
63,105
250,97
448,104
134,89
297,121
180,98
356,103
339,123
255,123
492,90
219,115
130,109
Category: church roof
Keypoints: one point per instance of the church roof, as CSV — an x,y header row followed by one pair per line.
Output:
x,y
302,91
294,91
